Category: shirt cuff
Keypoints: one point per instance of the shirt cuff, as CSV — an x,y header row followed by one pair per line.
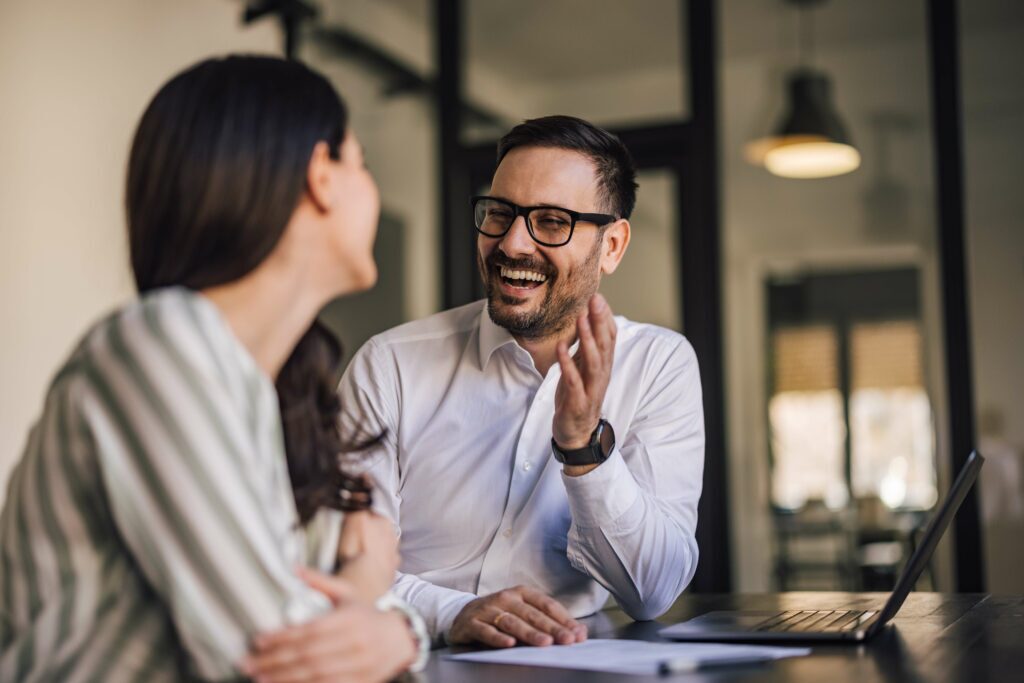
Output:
x,y
446,617
437,605
603,495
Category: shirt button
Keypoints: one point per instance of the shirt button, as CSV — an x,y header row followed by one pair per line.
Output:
x,y
527,465
506,533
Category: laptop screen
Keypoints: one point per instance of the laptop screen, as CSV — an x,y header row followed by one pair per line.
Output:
x,y
933,533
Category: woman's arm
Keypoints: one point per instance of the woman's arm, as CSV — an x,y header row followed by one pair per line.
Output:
x,y
200,503
356,642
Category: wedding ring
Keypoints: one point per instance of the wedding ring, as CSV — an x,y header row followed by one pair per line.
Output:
x,y
497,620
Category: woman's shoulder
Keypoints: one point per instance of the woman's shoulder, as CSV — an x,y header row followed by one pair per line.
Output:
x,y
172,325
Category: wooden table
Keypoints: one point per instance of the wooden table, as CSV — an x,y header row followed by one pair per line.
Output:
x,y
934,638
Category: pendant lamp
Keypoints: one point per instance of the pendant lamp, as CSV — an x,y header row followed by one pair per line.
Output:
x,y
811,140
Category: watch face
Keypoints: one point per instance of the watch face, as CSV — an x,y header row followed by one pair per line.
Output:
x,y
602,442
607,438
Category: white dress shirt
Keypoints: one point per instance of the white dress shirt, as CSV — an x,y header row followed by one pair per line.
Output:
x,y
466,471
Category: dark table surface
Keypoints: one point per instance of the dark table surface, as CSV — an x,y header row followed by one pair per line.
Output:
x,y
935,638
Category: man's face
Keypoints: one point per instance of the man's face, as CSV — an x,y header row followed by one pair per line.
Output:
x,y
569,274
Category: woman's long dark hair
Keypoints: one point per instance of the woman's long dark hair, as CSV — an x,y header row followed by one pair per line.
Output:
x,y
217,167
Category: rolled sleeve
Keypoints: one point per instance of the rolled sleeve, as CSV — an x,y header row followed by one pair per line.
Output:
x,y
602,496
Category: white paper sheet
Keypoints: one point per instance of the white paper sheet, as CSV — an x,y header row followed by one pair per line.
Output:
x,y
625,656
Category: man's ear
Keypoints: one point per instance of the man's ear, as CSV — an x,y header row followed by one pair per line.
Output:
x,y
319,177
615,241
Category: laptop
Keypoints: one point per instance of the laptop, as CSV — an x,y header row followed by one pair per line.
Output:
x,y
832,625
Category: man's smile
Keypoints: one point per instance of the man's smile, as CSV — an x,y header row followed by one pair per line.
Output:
x,y
521,278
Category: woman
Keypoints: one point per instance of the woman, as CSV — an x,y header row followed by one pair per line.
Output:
x,y
155,526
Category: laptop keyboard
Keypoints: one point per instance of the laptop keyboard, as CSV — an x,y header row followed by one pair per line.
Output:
x,y
817,621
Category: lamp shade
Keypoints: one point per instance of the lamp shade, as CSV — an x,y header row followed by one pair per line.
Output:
x,y
811,141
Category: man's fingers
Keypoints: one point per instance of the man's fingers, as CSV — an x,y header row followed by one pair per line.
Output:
x,y
570,373
548,605
588,349
521,614
602,324
489,635
512,624
556,611
542,622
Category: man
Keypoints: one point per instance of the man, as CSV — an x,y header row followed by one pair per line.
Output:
x,y
539,453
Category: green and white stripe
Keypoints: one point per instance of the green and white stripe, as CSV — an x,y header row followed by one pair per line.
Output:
x,y
149,530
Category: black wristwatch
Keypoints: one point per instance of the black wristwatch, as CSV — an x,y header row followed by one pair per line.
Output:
x,y
602,443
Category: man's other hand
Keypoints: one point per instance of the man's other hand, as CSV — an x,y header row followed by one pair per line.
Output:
x,y
516,615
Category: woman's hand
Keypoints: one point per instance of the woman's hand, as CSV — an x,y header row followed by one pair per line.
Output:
x,y
368,554
354,642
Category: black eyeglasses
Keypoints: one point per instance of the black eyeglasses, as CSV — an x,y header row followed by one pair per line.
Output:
x,y
549,226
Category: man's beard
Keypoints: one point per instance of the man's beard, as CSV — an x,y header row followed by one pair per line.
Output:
x,y
562,300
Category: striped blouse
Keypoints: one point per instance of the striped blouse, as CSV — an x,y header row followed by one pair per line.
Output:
x,y
149,530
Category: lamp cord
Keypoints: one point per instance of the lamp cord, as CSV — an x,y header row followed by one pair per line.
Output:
x,y
805,44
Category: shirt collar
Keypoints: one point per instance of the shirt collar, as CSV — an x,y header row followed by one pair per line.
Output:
x,y
491,337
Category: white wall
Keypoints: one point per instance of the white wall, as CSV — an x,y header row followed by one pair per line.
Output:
x,y
74,79
645,287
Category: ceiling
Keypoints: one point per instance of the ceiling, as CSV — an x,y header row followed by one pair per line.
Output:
x,y
568,38
612,36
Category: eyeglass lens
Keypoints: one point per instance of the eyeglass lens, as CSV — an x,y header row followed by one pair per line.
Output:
x,y
548,225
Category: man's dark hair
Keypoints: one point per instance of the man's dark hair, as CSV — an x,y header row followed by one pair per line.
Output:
x,y
616,173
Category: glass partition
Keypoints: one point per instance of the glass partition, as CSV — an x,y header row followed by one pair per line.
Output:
x,y
992,51
380,56
834,347
646,287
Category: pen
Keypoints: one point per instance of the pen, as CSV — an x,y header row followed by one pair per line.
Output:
x,y
687,665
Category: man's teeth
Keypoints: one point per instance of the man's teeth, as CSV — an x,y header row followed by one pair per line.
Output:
x,y
522,275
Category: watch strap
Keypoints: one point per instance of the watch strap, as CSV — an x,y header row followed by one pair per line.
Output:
x,y
591,454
